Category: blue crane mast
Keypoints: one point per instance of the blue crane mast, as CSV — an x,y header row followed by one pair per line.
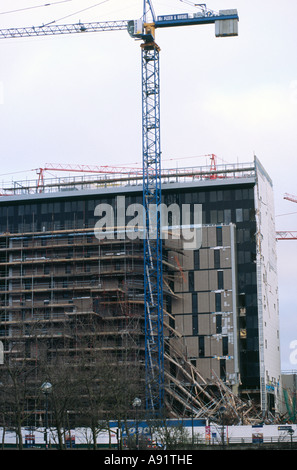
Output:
x,y
151,162
226,24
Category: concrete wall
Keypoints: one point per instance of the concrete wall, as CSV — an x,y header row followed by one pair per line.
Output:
x,y
267,283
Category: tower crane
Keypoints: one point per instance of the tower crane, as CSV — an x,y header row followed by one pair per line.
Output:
x,y
226,24
289,234
290,197
286,235
80,169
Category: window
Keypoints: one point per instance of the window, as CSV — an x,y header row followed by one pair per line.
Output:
x,y
252,215
194,303
213,217
188,198
217,263
80,205
240,257
241,300
169,304
218,302
239,215
218,324
247,256
201,346
213,196
225,345
220,280
238,194
223,369
220,217
195,324
227,216
191,280
227,195
219,236
246,215
251,300
91,205
44,208
245,194
201,197
196,259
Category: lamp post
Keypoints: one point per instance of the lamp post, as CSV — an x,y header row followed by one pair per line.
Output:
x,y
222,420
46,388
291,432
136,404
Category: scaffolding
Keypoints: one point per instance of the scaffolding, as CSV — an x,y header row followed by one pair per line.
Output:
x,y
61,286
64,291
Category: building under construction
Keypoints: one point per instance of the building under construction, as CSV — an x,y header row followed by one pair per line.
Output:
x,y
61,275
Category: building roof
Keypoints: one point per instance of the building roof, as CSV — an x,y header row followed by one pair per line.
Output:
x,y
104,184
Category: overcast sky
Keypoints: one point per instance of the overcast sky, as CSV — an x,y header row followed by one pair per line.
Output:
x,y
77,99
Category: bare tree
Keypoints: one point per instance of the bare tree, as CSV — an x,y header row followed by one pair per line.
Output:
x,y
16,396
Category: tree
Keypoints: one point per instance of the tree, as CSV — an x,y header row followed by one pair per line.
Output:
x,y
16,396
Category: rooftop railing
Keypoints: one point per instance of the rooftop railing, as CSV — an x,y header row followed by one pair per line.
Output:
x,y
128,178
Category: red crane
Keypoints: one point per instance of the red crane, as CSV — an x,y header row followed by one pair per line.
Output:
x,y
290,197
83,169
213,166
105,169
286,235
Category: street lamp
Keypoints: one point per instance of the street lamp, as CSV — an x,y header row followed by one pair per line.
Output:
x,y
136,404
222,410
46,389
291,432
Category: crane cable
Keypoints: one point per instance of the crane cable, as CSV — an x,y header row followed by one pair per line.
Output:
x,y
36,6
55,3
76,12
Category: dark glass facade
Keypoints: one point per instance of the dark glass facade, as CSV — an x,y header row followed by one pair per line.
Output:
x,y
221,204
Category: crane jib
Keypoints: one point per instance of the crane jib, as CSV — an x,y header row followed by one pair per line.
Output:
x,y
185,19
47,30
226,25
